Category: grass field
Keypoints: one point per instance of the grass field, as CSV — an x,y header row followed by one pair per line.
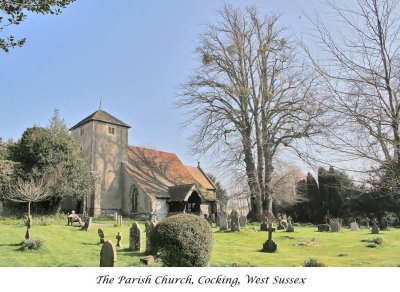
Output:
x,y
67,246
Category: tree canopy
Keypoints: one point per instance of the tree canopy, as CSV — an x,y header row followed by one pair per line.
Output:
x,y
13,12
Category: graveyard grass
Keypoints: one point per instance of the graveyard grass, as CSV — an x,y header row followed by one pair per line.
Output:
x,y
67,246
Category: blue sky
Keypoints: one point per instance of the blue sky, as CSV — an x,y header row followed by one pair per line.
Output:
x,y
133,55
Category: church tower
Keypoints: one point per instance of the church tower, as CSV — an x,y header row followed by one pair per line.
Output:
x,y
104,141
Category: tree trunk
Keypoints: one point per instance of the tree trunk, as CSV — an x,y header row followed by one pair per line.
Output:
x,y
267,200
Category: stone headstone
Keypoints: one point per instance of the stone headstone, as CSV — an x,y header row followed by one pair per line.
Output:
x,y
366,222
270,245
148,260
100,232
289,227
242,221
235,224
284,224
223,221
375,229
324,228
263,226
135,237
149,229
115,216
326,219
335,226
280,225
384,223
88,223
119,239
354,226
108,255
119,220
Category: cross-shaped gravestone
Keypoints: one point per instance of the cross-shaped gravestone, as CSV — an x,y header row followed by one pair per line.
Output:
x,y
326,219
270,245
119,238
100,232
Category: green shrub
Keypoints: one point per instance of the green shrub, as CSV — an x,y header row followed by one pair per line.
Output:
x,y
182,240
311,262
372,245
30,244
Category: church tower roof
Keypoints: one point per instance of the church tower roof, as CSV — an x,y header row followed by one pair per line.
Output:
x,y
101,116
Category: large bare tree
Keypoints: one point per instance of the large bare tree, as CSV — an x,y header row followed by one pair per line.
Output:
x,y
250,95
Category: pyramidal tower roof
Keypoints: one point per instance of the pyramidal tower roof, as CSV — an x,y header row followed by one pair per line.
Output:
x,y
101,116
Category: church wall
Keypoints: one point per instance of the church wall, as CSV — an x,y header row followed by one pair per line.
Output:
x,y
162,209
145,203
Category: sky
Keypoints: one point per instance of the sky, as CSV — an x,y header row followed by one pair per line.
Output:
x,y
130,55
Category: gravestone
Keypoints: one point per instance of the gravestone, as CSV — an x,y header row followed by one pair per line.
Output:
x,y
88,223
223,221
116,217
235,224
119,239
354,226
119,220
100,232
149,229
263,226
375,229
366,222
335,226
148,260
383,224
289,227
108,255
326,219
284,224
280,225
135,237
270,245
242,221
324,228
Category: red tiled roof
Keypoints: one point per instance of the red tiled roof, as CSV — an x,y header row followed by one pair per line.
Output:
x,y
200,177
155,171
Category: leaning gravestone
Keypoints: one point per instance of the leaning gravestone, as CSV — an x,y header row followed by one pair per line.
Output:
x,y
289,227
223,221
263,226
135,237
235,224
324,228
335,226
108,255
100,232
383,224
270,245
354,226
242,221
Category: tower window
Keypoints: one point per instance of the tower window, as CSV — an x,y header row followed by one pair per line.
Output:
x,y
111,130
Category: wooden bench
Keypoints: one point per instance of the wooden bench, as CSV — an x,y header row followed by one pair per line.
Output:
x,y
75,218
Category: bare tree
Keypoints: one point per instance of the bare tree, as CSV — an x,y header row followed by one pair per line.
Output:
x,y
359,69
251,94
30,191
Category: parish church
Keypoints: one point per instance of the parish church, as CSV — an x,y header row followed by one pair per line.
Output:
x,y
134,181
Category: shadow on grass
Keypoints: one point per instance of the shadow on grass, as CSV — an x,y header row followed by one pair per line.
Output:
x,y
12,244
87,243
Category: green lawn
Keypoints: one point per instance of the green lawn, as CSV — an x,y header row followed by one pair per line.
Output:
x,y
70,246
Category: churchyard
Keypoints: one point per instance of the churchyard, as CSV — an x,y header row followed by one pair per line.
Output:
x,y
71,246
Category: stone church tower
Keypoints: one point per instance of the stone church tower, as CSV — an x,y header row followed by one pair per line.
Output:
x,y
104,141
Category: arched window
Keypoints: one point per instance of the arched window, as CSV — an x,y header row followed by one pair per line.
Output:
x,y
134,194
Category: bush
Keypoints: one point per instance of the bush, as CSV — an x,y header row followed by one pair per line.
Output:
x,y
311,262
182,240
32,244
